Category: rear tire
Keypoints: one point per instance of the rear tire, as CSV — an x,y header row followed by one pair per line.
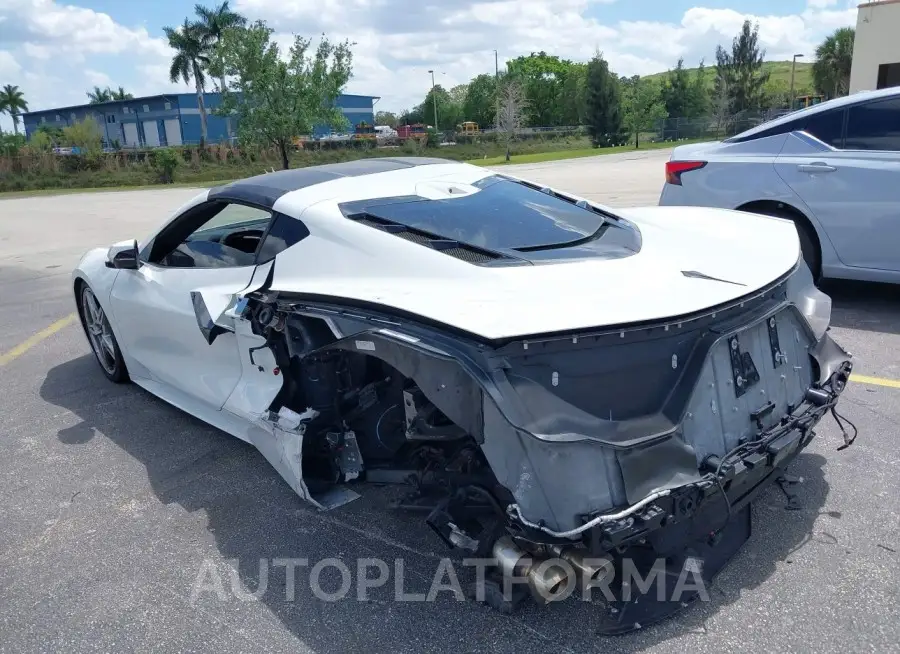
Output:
x,y
100,336
809,247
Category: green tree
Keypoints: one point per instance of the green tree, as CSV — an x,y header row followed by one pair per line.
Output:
x,y
741,70
602,103
386,118
541,76
831,70
414,116
676,92
98,95
776,94
480,105
55,134
12,102
212,24
700,98
449,113
189,63
642,106
279,99
573,109
120,94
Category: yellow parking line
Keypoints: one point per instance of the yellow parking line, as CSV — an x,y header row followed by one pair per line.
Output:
x,y
26,345
877,381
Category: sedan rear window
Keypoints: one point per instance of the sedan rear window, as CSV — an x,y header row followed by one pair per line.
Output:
x,y
503,214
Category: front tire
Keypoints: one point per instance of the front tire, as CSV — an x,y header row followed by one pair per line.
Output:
x,y
100,335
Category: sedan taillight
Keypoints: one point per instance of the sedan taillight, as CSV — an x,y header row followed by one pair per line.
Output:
x,y
674,170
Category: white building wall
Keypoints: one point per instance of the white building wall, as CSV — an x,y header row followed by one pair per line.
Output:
x,y
877,42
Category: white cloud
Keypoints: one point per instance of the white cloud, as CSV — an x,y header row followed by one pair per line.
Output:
x,y
69,29
97,78
821,4
8,65
36,51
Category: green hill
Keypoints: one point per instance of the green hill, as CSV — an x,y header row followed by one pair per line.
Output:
x,y
779,73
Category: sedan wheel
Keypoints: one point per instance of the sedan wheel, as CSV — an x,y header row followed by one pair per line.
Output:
x,y
100,336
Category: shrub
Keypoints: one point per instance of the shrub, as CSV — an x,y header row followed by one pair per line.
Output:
x,y
84,135
41,141
164,161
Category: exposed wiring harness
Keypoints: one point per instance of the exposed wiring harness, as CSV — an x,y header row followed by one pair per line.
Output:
x,y
841,420
513,510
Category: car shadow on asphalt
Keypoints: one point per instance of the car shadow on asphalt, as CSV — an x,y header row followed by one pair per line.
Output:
x,y
251,514
866,306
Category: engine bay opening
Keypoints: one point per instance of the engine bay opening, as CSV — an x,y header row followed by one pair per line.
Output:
x,y
364,421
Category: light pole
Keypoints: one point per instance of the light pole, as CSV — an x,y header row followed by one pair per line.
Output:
x,y
434,99
496,66
793,65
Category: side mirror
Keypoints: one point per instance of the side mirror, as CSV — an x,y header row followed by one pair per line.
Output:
x,y
123,256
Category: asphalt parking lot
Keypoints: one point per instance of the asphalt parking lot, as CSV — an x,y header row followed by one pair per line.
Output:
x,y
113,504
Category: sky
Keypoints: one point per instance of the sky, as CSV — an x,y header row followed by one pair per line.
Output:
x,y
56,50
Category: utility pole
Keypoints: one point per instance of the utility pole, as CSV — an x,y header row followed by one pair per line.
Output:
x,y
793,65
496,89
434,99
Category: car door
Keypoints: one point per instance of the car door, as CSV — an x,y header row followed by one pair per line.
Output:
x,y
210,248
854,189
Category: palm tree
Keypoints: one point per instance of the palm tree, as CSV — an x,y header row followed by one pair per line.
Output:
x,y
12,102
99,95
190,60
120,94
831,71
212,24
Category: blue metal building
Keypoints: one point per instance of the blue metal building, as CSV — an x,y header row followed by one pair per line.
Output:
x,y
171,119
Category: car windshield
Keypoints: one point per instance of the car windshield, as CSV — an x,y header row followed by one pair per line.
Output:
x,y
503,214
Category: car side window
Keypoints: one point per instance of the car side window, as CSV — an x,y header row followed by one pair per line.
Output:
x,y
784,128
283,233
827,126
216,234
874,126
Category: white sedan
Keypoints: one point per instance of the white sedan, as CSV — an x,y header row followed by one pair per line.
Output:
x,y
551,380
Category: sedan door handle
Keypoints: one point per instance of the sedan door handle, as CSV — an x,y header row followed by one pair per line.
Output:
x,y
816,167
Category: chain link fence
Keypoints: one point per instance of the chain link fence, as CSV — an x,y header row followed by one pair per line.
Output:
x,y
711,127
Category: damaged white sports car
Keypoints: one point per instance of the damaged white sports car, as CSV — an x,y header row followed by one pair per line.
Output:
x,y
552,379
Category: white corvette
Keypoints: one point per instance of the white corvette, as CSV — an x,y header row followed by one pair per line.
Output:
x,y
552,379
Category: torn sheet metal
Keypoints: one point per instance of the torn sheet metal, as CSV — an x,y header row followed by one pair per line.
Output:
x,y
217,307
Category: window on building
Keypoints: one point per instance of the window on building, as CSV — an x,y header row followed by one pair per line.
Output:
x,y
146,108
874,126
43,119
72,116
111,118
168,106
888,76
126,110
58,118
